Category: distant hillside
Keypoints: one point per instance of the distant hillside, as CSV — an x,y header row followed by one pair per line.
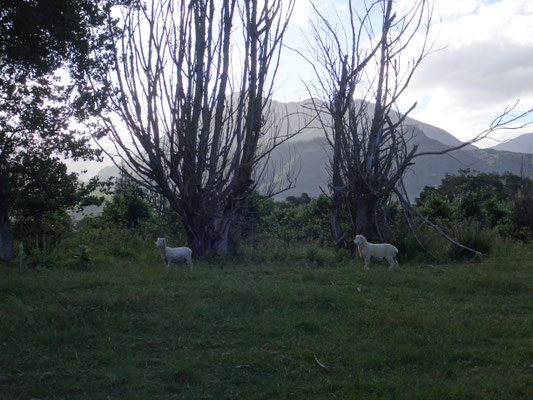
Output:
x,y
309,151
108,172
431,132
520,144
427,170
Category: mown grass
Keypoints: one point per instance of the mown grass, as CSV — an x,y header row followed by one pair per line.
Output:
x,y
249,329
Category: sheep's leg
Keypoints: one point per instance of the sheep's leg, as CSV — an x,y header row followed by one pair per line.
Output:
x,y
393,263
190,264
367,263
168,266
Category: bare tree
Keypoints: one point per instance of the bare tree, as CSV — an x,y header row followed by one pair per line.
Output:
x,y
192,114
369,143
374,60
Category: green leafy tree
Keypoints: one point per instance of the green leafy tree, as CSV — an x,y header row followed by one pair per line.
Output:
x,y
128,206
488,199
297,219
46,48
44,191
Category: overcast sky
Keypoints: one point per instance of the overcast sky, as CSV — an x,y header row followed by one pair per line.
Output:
x,y
484,63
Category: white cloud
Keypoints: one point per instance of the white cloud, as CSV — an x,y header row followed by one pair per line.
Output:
x,y
451,9
301,12
486,64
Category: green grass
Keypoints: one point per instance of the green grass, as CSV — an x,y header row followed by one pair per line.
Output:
x,y
250,330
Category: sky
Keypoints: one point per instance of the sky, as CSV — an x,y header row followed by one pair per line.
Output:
x,y
482,63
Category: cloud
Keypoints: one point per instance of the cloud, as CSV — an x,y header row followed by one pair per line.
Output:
x,y
479,74
301,13
485,63
451,9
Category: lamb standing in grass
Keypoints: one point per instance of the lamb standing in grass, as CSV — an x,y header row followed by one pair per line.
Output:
x,y
378,251
174,254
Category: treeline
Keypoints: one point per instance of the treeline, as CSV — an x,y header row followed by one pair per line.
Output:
x,y
476,209
479,210
503,203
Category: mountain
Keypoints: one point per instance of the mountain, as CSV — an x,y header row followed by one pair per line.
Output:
x,y
520,144
427,171
108,172
309,153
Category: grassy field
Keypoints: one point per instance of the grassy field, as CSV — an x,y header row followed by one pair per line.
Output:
x,y
251,330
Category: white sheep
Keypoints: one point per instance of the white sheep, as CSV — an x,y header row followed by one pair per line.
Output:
x,y
378,251
174,254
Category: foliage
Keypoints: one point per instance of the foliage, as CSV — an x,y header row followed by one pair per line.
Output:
x,y
484,200
43,192
297,219
38,258
82,258
43,185
46,52
128,206
145,213
40,37
43,233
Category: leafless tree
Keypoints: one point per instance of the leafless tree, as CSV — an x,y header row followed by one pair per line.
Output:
x,y
193,84
373,59
369,143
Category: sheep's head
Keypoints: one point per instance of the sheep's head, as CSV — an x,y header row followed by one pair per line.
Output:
x,y
161,242
359,239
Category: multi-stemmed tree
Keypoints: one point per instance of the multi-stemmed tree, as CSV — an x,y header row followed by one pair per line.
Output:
x,y
189,117
362,68
370,149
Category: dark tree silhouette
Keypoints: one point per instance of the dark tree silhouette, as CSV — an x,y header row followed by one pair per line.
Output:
x,y
193,83
38,39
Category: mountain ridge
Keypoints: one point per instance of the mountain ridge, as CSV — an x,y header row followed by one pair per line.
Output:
x,y
520,144
312,149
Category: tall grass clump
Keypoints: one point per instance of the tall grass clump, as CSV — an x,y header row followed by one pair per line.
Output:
x,y
474,236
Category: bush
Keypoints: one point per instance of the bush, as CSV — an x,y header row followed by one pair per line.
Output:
x,y
37,259
82,259
470,234
43,234
296,219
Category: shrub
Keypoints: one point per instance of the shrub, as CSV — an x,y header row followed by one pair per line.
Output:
x,y
470,234
45,233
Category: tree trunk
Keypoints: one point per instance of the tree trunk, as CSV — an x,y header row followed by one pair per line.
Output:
x,y
6,238
336,225
337,196
362,211
206,239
